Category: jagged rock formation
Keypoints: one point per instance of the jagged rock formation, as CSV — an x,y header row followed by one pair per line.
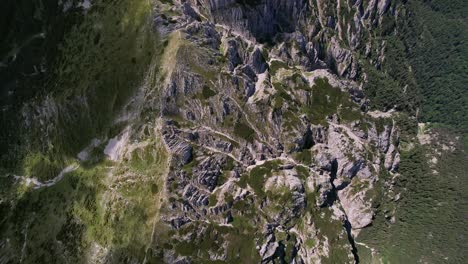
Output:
x,y
245,85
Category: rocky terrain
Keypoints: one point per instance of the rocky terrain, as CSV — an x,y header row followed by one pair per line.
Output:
x,y
212,131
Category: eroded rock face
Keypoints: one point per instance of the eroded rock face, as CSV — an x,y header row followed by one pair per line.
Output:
x,y
357,208
268,136
261,19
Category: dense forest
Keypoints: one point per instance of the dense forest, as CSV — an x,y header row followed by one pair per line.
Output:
x,y
427,51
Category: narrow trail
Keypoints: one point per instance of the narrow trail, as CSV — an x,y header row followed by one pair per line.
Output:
x,y
364,245
374,253
288,160
235,33
349,132
211,149
249,167
211,130
16,49
38,185
219,133
160,198
248,120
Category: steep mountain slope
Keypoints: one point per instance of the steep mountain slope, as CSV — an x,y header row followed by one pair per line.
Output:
x,y
231,131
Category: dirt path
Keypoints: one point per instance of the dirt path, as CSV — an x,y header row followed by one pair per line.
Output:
x,y
38,185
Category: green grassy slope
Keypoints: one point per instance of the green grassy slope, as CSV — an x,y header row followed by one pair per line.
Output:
x,y
100,63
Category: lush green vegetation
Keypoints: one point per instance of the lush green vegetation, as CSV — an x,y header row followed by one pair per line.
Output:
x,y
438,57
257,177
207,92
327,229
431,210
327,100
244,131
123,41
304,156
322,100
41,167
237,241
62,221
424,74
425,64
31,32
95,71
276,65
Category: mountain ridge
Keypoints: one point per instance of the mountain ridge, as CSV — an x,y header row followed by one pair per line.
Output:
x,y
226,131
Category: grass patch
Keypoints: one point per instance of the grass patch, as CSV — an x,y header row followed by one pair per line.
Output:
x,y
238,242
257,177
305,156
213,199
276,65
105,64
310,243
207,92
244,131
42,167
327,100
